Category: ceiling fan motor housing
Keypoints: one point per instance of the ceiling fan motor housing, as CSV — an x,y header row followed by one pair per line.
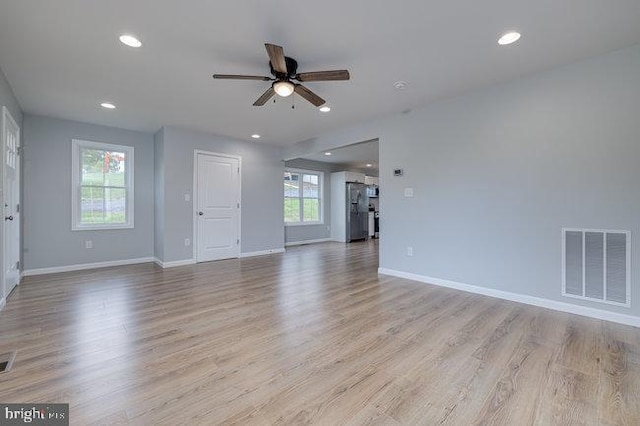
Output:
x,y
292,69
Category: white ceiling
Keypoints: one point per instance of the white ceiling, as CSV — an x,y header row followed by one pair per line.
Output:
x,y
63,57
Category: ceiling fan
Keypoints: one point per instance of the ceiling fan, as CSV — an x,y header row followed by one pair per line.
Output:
x,y
284,70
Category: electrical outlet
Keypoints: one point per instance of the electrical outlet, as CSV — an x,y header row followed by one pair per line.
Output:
x,y
408,192
88,244
409,251
187,242
187,197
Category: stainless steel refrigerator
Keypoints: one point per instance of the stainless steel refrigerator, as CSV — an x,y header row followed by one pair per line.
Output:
x,y
357,212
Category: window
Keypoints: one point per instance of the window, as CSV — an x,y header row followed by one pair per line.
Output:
x,y
102,186
302,197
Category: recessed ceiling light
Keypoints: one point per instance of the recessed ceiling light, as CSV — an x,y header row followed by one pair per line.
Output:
x,y
108,105
369,165
508,38
327,153
255,136
130,40
325,109
400,85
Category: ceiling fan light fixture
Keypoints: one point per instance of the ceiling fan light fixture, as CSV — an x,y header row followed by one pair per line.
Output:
x,y
325,109
283,88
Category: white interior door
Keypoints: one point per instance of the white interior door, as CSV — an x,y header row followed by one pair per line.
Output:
x,y
217,207
11,200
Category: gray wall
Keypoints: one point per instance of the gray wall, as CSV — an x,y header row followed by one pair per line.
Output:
x,y
159,184
299,233
497,173
48,238
262,207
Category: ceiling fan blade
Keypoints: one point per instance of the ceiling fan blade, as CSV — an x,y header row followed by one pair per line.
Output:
x,y
276,56
308,95
265,97
323,75
241,77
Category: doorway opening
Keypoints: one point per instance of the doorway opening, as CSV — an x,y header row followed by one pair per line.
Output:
x,y
351,192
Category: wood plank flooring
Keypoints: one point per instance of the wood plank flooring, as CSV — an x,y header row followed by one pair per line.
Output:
x,y
312,336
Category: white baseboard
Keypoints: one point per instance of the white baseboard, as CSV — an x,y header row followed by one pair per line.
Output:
x,y
83,266
193,261
521,298
174,263
299,243
261,253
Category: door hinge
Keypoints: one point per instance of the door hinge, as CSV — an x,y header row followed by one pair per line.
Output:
x,y
18,265
238,241
238,204
17,208
238,170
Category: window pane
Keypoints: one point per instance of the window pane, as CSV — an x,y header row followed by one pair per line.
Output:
x,y
92,163
115,205
310,188
103,205
311,210
310,179
291,185
103,167
292,210
92,205
114,168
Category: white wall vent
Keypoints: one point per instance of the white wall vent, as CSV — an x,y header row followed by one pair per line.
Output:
x,y
596,265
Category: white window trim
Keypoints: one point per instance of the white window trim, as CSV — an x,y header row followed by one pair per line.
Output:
x,y
76,144
320,196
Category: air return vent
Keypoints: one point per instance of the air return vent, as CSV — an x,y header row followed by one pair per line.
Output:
x,y
596,265
6,361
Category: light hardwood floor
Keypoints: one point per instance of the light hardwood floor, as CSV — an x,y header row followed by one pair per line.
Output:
x,y
310,336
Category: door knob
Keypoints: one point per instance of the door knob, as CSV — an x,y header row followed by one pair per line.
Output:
x,y
200,213
8,218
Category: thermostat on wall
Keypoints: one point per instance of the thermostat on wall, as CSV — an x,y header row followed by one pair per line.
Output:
x,y
397,172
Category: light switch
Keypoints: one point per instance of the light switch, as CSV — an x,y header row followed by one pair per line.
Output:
x,y
408,192
187,197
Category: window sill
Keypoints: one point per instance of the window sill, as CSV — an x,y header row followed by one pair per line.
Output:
x,y
303,223
100,227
